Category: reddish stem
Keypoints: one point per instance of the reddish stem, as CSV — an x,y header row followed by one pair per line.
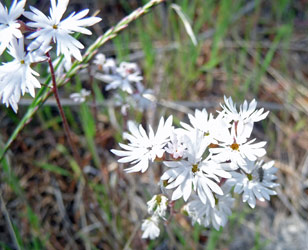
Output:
x,y
65,123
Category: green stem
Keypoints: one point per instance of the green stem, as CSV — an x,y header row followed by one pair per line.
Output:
x,y
9,222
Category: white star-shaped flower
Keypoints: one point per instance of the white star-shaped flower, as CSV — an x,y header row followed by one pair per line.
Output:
x,y
256,183
17,77
150,227
107,65
195,173
247,115
235,147
212,128
9,26
124,77
142,147
59,31
158,205
206,215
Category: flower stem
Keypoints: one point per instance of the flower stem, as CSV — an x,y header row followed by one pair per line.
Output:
x,y
65,123
94,107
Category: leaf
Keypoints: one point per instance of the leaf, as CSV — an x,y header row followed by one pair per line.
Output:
x,y
53,168
186,23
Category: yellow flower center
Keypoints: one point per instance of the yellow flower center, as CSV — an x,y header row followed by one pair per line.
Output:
x,y
22,61
55,26
194,168
235,146
158,199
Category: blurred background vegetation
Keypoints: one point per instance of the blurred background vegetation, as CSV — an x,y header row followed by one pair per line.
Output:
x,y
246,49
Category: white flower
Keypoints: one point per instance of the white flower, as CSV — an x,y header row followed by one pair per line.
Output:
x,y
202,175
53,29
127,68
247,114
9,26
234,147
150,228
123,77
158,205
257,183
206,215
115,81
212,128
142,147
107,65
80,97
200,121
100,60
126,75
17,77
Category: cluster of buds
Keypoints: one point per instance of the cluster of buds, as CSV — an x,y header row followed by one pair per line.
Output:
x,y
207,160
17,76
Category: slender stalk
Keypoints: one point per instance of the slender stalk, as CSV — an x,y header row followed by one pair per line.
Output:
x,y
65,123
112,32
9,222
94,106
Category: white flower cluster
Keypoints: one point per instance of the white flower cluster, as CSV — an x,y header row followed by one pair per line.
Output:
x,y
157,207
207,159
125,77
81,96
17,77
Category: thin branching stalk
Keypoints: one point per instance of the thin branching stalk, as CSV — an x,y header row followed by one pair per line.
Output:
x,y
45,92
64,120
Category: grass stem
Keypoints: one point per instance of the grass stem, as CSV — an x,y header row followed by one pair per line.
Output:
x,y
9,222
